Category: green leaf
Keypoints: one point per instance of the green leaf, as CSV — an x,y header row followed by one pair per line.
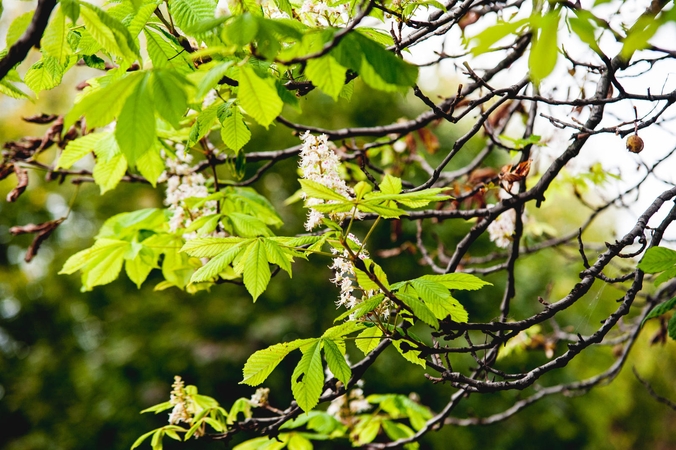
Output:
x,y
241,30
138,268
336,361
165,53
380,68
639,35
671,327
368,339
44,75
54,42
100,264
211,79
327,75
10,90
258,96
410,355
584,27
493,34
342,330
135,131
100,106
17,28
71,8
216,265
203,123
544,51
278,255
307,380
261,364
151,165
142,438
170,99
107,174
665,276
78,149
248,226
210,247
390,185
109,32
188,13
365,281
657,259
316,190
256,273
299,442
461,281
234,132
420,310
660,309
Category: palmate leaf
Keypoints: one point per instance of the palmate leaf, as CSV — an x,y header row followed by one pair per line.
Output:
x,y
317,190
307,380
336,361
258,96
261,364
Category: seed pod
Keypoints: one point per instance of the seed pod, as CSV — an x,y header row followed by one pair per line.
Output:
x,y
634,143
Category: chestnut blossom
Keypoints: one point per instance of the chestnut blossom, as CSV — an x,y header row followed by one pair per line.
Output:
x,y
345,276
260,397
317,12
501,230
319,163
348,405
182,411
184,183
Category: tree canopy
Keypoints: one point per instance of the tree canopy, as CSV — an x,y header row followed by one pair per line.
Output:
x,y
486,181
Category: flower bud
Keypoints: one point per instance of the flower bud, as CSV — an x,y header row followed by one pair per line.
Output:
x,y
634,143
